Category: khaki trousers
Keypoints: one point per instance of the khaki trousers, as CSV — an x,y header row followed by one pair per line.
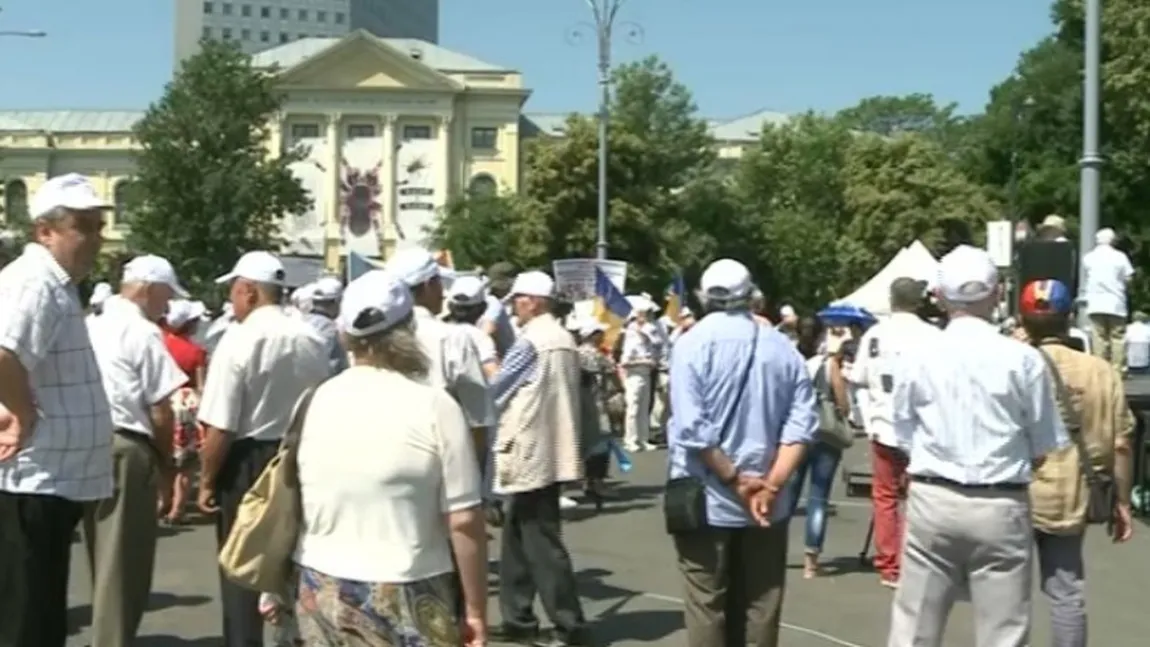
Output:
x,y
121,534
734,579
1108,339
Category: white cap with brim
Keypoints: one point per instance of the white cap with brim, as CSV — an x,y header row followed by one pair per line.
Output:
x,y
413,266
376,290
725,280
589,328
467,291
533,284
101,293
181,311
261,267
327,289
967,275
153,269
71,191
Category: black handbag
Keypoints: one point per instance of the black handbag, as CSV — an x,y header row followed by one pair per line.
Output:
x,y
685,498
1102,492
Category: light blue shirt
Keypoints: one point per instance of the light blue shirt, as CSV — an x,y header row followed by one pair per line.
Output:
x,y
326,328
777,406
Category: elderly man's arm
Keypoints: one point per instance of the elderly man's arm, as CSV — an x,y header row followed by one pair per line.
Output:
x,y
220,408
30,322
799,429
518,367
1124,423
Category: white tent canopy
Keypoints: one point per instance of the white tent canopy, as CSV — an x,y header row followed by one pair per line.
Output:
x,y
914,261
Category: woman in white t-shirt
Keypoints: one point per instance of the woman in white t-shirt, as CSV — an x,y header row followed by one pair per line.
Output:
x,y
393,533
466,303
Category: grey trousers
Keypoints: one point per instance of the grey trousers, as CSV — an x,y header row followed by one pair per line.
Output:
x,y
958,538
1063,578
121,534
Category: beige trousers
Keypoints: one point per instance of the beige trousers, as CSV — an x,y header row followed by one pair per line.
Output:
x,y
121,534
1108,339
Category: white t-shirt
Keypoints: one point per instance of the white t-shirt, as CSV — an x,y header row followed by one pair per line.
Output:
x,y
1107,271
1138,345
382,459
258,372
455,366
483,343
137,370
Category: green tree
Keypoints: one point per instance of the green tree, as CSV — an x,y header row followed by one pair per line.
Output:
x,y
206,188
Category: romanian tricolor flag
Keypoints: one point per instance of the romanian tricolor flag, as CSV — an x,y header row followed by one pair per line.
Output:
x,y
676,298
611,308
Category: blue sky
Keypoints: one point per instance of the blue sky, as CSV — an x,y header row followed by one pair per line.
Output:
x,y
737,56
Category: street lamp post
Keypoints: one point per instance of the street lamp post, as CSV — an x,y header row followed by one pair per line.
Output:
x,y
23,33
1091,162
604,14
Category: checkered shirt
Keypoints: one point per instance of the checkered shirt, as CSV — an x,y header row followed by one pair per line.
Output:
x,y
41,322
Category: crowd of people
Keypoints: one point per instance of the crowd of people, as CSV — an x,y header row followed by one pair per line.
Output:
x,y
991,457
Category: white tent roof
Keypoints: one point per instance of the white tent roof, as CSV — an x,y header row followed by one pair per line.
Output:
x,y
914,261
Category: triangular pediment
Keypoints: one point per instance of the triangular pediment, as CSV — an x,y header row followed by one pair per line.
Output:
x,y
362,61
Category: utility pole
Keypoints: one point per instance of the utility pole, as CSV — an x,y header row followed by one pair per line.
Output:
x,y
24,33
1091,162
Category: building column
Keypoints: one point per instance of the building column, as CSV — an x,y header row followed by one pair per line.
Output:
x,y
331,207
389,235
276,133
445,163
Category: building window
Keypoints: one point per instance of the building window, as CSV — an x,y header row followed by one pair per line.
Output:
x,y
246,11
227,33
284,37
15,202
207,32
265,12
265,37
482,186
285,14
303,14
227,8
484,138
304,131
321,16
245,34
123,202
360,131
339,18
208,7
416,132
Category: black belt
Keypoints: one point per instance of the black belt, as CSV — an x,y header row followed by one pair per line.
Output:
x,y
1008,486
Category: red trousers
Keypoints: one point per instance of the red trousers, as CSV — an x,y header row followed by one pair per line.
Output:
x,y
888,482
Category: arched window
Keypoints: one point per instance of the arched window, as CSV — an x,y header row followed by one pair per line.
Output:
x,y
483,186
15,202
122,200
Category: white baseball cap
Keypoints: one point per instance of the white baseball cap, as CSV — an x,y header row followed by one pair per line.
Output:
x,y
590,327
101,293
786,311
533,284
1105,236
467,291
377,290
153,269
70,191
967,275
726,279
261,267
413,266
181,311
328,288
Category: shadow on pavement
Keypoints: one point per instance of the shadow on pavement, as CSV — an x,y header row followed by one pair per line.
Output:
x,y
614,624
842,565
81,616
175,641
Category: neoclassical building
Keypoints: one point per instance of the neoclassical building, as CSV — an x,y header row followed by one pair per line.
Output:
x,y
393,128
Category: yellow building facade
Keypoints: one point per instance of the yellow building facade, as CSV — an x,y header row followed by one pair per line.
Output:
x,y
392,130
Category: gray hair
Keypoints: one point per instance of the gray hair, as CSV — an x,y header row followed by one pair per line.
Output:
x,y
396,349
724,303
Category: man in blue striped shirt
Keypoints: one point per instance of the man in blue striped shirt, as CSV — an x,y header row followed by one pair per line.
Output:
x,y
742,412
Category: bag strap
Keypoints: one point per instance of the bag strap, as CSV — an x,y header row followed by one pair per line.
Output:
x,y
730,417
1071,418
291,440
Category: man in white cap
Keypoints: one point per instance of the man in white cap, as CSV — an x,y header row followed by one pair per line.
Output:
x,y
537,450
974,415
1107,272
455,361
324,296
638,361
257,374
139,376
55,427
742,412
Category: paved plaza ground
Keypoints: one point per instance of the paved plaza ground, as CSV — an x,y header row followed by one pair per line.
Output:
x,y
631,592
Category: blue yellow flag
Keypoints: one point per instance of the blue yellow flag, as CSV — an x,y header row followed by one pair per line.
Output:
x,y
611,308
676,298
358,265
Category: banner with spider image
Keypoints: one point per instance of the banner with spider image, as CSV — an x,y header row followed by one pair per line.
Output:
x,y
303,232
361,196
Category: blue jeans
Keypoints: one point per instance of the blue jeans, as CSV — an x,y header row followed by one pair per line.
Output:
x,y
821,462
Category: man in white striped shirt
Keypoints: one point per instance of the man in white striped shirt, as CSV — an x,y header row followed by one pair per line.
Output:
x,y
55,426
974,414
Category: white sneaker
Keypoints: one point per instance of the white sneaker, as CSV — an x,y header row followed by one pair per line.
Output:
x,y
567,503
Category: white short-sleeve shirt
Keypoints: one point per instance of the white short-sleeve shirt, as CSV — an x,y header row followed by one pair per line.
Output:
x,y
258,372
484,344
456,366
137,369
1107,271
382,459
42,323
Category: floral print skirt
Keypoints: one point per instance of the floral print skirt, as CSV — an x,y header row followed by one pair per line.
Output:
x,y
346,613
